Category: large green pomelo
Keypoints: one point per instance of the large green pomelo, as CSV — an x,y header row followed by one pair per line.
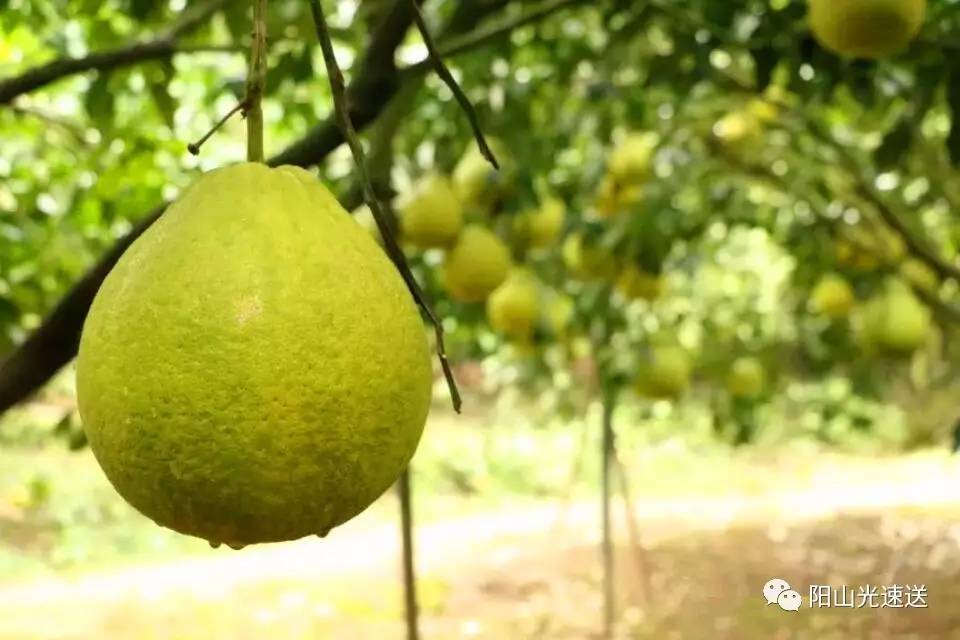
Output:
x,y
253,369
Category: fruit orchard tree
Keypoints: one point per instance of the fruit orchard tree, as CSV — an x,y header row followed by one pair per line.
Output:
x,y
722,196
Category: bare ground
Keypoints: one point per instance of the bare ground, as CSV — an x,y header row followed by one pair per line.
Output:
x,y
533,572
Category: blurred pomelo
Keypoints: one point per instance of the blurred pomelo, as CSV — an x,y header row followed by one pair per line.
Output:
x,y
746,378
558,314
585,259
431,216
476,265
253,369
634,283
541,227
477,182
832,296
630,160
514,308
893,321
866,28
920,274
666,373
614,198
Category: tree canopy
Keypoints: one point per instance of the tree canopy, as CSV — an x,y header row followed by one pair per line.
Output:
x,y
767,163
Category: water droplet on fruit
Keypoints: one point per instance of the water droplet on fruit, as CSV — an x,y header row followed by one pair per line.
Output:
x,y
236,546
214,545
323,534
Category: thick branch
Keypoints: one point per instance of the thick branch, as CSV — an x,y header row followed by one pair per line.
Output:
x,y
160,47
818,204
55,342
865,188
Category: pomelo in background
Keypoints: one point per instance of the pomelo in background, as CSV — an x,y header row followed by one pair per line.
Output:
x,y
866,28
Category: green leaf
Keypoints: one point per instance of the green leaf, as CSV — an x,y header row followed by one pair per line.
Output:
x,y
894,145
953,101
99,102
143,9
159,84
238,20
764,61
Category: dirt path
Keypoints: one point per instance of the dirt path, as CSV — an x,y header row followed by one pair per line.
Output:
x,y
362,557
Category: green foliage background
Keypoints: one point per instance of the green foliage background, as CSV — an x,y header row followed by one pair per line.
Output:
x,y
741,235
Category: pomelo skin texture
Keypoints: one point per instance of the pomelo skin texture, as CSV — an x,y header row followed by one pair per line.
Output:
x,y
253,369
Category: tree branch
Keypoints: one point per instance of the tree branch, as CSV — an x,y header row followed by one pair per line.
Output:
x,y
437,59
256,80
335,76
944,310
865,188
481,36
373,87
160,47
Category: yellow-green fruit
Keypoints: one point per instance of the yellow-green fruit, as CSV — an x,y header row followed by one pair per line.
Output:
x,y
432,216
636,284
866,28
866,248
629,162
476,265
920,275
832,296
894,321
666,374
559,315
739,131
613,198
541,227
514,307
764,111
746,378
585,260
253,369
477,182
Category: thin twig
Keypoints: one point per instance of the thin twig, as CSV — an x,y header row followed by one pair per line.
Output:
x,y
441,68
256,79
341,109
410,606
606,543
457,45
194,147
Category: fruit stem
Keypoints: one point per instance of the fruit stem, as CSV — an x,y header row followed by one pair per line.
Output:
x,y
256,79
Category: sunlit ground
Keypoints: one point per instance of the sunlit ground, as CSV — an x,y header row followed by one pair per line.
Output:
x,y
515,557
